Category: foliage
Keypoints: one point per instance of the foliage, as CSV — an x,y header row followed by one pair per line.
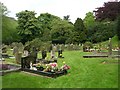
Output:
x,y
61,31
101,31
79,31
38,44
88,44
45,20
110,10
28,26
118,27
89,20
9,31
3,9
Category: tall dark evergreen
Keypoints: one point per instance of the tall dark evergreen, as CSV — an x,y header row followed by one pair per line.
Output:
x,y
79,31
118,27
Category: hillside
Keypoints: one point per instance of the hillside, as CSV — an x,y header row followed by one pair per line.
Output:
x,y
9,31
114,42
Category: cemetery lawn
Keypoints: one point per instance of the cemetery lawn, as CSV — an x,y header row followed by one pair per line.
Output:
x,y
84,73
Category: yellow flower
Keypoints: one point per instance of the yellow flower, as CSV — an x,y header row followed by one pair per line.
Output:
x,y
63,62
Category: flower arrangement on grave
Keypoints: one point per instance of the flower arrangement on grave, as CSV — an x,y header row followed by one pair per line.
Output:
x,y
65,67
39,66
52,67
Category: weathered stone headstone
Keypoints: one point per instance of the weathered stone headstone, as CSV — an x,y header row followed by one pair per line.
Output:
x,y
58,46
15,53
26,53
53,51
110,47
62,47
20,47
4,49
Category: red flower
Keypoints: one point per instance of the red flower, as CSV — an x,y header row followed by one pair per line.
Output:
x,y
66,67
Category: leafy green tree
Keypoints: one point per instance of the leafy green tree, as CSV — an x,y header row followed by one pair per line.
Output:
x,y
45,20
28,26
61,31
79,31
89,20
102,31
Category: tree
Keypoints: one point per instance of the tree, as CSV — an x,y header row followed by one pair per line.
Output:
x,y
118,27
79,31
3,9
45,20
61,31
102,31
110,10
89,22
28,26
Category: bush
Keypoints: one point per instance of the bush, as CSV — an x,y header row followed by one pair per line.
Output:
x,y
88,44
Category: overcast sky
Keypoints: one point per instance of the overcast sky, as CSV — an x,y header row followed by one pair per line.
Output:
x,y
74,8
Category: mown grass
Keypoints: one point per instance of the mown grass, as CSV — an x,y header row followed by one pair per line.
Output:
x,y
84,73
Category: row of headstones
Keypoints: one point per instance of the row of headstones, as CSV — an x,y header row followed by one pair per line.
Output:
x,y
67,47
33,53
63,47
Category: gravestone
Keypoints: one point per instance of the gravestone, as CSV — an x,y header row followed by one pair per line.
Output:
x,y
58,46
62,47
20,47
44,54
4,49
33,54
110,47
25,53
53,51
60,53
15,53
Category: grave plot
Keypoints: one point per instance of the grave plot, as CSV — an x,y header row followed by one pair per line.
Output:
x,y
98,53
49,69
8,68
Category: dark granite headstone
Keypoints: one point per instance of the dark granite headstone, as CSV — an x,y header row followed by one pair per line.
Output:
x,y
44,54
60,53
33,55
